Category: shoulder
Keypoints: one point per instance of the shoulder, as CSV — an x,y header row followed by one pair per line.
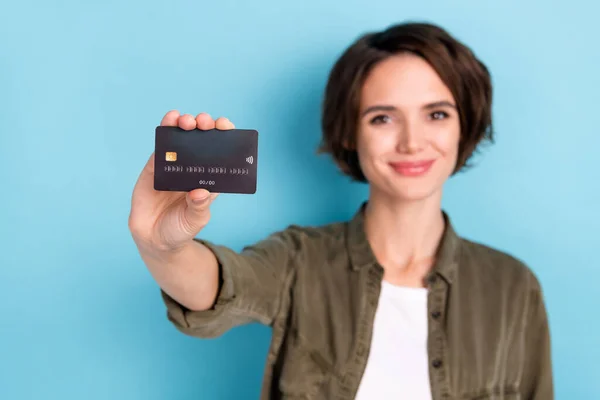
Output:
x,y
499,267
330,235
308,245
329,231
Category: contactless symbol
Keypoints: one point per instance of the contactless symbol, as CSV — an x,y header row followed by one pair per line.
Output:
x,y
250,160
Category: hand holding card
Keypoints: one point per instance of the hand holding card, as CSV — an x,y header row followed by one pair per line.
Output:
x,y
187,170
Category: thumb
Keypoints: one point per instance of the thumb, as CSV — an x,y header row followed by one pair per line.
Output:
x,y
197,212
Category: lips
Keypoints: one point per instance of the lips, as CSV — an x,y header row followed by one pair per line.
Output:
x,y
412,168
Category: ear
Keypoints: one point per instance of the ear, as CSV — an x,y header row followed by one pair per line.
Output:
x,y
348,145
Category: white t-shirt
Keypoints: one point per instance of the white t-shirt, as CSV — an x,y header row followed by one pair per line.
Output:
x,y
398,366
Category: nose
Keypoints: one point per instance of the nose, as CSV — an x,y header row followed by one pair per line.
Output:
x,y
411,138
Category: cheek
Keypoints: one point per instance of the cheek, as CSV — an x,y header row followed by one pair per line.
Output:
x,y
371,146
446,141
375,142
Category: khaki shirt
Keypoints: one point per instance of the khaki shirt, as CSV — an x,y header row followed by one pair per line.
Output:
x,y
318,288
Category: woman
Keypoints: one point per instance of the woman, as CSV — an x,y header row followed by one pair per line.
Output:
x,y
393,303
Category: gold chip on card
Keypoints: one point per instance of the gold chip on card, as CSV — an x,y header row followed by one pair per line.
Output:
x,y
171,156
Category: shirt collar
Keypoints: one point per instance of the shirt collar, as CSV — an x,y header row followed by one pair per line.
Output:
x,y
361,254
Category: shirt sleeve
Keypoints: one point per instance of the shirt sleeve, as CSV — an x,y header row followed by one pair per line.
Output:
x,y
539,359
250,290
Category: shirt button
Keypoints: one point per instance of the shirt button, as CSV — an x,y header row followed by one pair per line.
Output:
x,y
436,363
436,314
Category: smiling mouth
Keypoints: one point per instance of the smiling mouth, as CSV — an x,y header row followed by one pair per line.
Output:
x,y
412,168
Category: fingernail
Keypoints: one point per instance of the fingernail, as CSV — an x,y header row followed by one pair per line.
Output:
x,y
200,200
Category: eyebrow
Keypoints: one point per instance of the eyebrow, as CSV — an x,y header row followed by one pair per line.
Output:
x,y
442,103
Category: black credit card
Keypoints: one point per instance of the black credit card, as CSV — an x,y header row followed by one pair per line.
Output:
x,y
220,161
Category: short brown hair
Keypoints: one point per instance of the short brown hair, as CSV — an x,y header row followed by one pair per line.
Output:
x,y
467,78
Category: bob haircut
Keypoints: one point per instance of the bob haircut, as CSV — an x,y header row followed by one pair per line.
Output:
x,y
466,77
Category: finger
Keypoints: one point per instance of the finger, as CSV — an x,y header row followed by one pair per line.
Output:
x,y
205,122
187,122
170,118
149,167
224,124
198,195
197,212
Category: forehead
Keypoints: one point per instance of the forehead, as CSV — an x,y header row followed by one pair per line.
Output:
x,y
403,81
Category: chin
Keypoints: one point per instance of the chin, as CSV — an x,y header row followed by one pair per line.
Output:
x,y
415,193
407,190
407,187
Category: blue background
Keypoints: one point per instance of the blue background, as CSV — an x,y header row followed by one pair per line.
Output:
x,y
83,84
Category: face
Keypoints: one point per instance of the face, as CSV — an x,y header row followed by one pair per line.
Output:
x,y
408,129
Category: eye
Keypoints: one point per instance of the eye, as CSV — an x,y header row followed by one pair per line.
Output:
x,y
379,119
438,115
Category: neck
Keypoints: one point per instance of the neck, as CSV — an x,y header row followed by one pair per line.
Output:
x,y
404,236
